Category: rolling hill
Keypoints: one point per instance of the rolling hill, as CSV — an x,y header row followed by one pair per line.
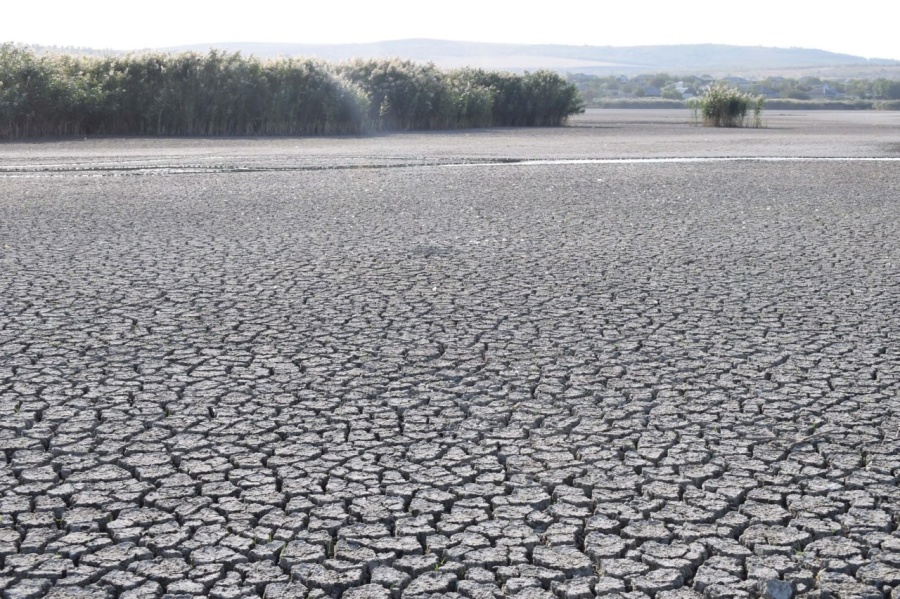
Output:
x,y
711,59
600,60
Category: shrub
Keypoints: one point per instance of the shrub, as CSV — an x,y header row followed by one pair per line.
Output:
x,y
723,106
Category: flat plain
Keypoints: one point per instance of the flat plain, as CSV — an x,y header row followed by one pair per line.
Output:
x,y
454,364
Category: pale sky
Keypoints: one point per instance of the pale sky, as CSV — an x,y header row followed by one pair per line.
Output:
x,y
865,28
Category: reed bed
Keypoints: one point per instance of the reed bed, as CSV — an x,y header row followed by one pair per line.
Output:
x,y
226,94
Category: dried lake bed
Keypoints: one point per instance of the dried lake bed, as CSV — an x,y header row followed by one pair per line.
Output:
x,y
627,356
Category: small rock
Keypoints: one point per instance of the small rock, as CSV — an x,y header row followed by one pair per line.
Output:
x,y
776,589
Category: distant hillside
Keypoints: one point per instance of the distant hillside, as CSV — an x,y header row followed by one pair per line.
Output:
x,y
710,59
698,58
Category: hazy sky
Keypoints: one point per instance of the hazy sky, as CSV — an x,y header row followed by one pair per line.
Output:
x,y
866,28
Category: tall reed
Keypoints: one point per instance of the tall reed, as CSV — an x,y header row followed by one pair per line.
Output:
x,y
724,106
221,93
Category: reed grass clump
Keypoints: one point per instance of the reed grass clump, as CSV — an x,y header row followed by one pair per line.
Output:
x,y
221,93
402,94
538,99
185,94
724,106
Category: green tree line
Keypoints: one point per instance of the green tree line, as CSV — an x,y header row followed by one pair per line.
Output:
x,y
597,90
222,93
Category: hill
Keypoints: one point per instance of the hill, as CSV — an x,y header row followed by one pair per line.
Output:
x,y
600,60
710,59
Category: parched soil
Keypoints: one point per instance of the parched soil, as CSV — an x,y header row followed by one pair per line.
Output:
x,y
407,365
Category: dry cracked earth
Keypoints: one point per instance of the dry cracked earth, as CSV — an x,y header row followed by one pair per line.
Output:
x,y
642,380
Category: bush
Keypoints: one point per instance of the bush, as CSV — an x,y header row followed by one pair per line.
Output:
x,y
723,106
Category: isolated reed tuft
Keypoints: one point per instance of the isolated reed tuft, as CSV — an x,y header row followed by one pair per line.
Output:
x,y
723,106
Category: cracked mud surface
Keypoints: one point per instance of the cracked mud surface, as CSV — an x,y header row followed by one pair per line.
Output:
x,y
635,380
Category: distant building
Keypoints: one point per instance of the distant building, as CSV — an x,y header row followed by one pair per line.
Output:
x,y
686,92
759,90
824,92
